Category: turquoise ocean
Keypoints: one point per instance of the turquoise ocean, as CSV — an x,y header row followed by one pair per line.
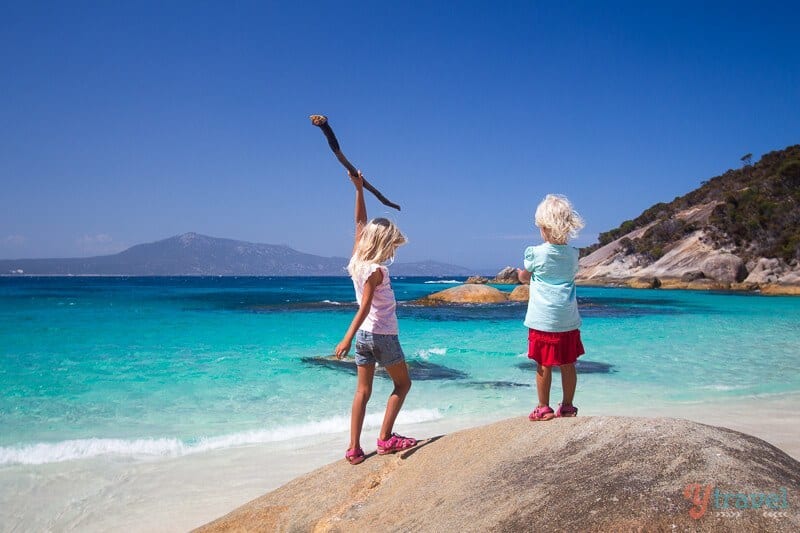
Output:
x,y
113,388
141,367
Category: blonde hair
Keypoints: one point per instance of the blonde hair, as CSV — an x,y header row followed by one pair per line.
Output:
x,y
379,239
558,218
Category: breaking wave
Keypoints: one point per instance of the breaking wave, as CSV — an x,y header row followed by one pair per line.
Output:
x,y
68,450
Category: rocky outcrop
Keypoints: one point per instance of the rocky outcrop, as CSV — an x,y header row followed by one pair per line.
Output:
x,y
578,474
466,294
770,271
691,263
506,276
739,230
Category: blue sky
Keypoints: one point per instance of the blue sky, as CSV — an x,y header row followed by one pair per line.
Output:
x,y
130,123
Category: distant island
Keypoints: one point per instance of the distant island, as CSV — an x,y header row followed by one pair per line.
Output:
x,y
739,231
192,254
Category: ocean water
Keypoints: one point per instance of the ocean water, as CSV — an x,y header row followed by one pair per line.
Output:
x,y
143,368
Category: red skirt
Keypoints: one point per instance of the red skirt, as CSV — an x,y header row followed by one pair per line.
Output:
x,y
555,349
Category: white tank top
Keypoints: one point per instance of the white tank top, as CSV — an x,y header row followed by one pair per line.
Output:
x,y
382,318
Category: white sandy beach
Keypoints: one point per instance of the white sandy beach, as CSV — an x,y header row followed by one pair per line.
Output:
x,y
181,493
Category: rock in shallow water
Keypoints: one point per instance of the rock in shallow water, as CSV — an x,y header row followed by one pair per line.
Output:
x,y
581,366
418,370
466,294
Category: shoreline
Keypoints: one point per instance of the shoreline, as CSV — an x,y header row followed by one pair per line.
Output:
x,y
668,283
182,493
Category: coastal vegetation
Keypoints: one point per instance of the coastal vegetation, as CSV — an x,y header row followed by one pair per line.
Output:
x,y
755,213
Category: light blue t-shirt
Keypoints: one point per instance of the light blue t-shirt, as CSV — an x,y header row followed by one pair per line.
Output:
x,y
553,303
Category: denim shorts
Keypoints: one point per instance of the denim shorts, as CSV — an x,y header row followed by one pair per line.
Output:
x,y
375,347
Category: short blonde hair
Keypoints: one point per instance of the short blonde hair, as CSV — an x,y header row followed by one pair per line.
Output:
x,y
556,215
379,239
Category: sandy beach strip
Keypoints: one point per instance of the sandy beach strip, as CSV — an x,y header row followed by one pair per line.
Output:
x,y
182,493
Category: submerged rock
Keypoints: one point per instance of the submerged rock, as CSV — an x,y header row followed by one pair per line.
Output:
x,y
581,366
497,384
573,474
418,370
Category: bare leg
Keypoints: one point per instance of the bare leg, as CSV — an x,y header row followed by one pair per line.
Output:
x,y
360,399
544,376
569,380
402,384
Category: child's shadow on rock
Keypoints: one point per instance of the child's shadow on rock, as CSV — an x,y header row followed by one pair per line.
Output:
x,y
408,453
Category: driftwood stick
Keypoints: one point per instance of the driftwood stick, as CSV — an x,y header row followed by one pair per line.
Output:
x,y
321,121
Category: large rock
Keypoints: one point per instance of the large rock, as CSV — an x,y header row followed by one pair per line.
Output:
x,y
724,267
467,294
691,256
775,272
765,270
506,276
579,474
520,294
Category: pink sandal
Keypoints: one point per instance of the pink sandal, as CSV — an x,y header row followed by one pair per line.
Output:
x,y
395,443
541,413
566,410
354,456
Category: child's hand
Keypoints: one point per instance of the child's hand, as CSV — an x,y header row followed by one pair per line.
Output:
x,y
341,349
523,276
358,180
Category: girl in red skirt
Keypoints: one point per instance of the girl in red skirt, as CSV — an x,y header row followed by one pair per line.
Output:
x,y
554,337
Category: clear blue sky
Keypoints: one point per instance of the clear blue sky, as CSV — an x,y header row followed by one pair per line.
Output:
x,y
129,123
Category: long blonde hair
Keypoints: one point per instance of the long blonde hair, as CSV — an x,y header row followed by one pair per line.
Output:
x,y
556,215
379,239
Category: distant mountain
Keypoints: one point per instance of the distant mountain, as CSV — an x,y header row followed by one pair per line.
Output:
x,y
192,254
428,268
737,230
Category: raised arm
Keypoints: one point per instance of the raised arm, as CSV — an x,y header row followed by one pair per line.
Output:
x,y
361,207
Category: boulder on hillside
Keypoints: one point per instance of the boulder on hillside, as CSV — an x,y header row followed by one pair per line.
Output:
x,y
466,294
477,280
725,267
773,270
571,474
765,270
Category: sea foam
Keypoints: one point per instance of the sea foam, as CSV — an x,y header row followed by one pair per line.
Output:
x,y
68,450
426,354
